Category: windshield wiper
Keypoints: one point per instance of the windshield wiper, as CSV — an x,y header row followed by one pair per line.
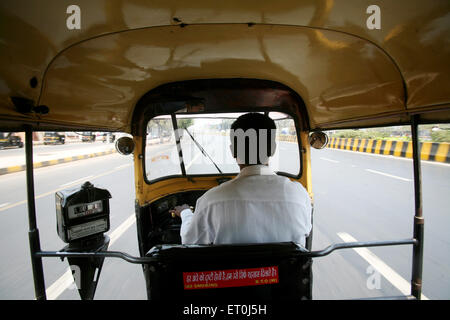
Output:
x,y
203,150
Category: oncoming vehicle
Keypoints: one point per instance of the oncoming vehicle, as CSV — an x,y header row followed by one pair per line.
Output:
x,y
88,137
54,138
189,72
108,137
8,140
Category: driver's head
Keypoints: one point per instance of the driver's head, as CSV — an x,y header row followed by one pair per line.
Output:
x,y
252,138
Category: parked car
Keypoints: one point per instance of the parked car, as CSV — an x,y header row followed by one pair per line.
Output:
x,y
88,137
54,138
9,140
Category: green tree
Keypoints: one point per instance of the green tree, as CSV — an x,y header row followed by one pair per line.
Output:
x,y
184,123
440,136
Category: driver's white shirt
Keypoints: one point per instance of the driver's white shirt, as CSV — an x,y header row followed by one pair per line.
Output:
x,y
257,206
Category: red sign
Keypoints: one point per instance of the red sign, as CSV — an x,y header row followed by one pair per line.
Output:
x,y
230,278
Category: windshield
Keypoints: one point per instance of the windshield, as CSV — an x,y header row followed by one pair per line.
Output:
x,y
205,145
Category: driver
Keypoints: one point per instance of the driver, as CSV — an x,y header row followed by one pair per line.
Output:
x,y
258,205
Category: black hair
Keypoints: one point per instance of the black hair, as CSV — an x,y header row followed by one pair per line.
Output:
x,y
261,126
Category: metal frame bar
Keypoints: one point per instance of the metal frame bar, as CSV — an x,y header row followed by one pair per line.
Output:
x,y
144,260
33,233
417,259
359,244
101,254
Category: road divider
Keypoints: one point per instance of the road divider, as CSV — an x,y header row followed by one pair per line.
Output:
x,y
430,151
52,162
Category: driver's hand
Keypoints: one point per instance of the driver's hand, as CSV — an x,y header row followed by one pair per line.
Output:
x,y
177,210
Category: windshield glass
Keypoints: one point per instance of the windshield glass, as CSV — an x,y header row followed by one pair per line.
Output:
x,y
205,145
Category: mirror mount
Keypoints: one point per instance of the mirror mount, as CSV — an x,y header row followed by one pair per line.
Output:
x,y
318,140
125,146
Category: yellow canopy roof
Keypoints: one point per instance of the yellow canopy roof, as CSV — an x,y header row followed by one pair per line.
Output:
x,y
346,73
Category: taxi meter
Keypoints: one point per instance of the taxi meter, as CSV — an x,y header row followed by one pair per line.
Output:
x,y
81,213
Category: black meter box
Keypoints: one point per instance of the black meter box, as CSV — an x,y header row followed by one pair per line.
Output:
x,y
81,213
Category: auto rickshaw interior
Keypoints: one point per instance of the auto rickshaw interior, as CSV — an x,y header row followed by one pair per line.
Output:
x,y
179,167
174,74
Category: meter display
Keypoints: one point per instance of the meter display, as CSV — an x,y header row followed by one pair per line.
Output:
x,y
85,209
81,213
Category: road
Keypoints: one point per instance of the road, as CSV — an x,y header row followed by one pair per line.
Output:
x,y
40,148
357,196
371,197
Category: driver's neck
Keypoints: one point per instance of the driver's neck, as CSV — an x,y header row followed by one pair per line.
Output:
x,y
242,166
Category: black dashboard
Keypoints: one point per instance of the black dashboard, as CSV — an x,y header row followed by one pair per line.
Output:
x,y
162,227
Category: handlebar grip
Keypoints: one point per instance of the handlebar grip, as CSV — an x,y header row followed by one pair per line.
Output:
x,y
173,213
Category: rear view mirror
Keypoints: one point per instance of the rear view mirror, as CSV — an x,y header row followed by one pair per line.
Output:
x,y
125,145
318,140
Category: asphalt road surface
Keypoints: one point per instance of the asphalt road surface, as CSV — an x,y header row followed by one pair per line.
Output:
x,y
357,196
43,149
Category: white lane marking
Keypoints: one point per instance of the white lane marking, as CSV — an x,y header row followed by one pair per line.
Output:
x,y
121,229
4,204
192,162
53,191
393,277
66,280
388,175
334,161
76,181
60,285
123,166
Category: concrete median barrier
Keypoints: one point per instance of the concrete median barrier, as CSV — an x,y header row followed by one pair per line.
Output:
x,y
431,151
40,164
